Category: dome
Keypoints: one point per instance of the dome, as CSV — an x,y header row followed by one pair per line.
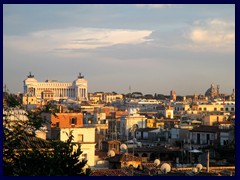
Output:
x,y
211,92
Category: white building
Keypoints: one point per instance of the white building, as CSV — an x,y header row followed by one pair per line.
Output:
x,y
167,111
77,90
181,107
204,135
133,119
227,106
86,137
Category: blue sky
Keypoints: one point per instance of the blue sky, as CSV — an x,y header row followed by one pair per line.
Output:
x,y
152,48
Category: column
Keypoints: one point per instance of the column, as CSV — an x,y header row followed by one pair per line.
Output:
x,y
86,94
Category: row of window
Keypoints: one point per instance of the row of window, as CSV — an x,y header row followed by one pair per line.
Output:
x,y
55,89
48,95
54,84
215,109
205,109
73,121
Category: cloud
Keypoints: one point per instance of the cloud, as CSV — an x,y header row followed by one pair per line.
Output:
x,y
75,39
213,33
154,6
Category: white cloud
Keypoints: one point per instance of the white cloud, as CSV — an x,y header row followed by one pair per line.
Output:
x,y
75,38
154,6
213,33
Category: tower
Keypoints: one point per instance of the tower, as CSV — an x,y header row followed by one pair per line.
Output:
x,y
212,91
218,87
173,95
233,94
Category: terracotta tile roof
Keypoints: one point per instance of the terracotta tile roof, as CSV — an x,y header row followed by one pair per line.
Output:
x,y
148,165
111,172
225,122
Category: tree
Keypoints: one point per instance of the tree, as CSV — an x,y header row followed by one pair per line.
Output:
x,y
26,155
58,160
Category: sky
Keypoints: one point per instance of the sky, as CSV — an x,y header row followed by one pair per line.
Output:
x,y
149,48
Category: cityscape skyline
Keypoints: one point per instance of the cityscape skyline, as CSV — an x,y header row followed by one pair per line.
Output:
x,y
152,48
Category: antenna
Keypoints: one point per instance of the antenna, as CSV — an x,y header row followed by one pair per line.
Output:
x,y
130,91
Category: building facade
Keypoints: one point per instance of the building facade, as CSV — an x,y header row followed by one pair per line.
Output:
x,y
85,136
129,121
76,90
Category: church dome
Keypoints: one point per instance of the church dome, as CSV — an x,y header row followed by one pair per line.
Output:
x,y
211,92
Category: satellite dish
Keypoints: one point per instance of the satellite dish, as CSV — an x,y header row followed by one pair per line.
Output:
x,y
165,168
111,153
156,162
194,170
199,167
123,148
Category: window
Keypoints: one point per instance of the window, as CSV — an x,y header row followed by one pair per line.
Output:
x,y
215,109
225,142
80,137
226,109
73,121
57,124
205,109
200,109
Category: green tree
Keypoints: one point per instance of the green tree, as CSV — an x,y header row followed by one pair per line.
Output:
x,y
26,155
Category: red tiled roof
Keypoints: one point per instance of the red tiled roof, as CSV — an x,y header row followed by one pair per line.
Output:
x,y
111,172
